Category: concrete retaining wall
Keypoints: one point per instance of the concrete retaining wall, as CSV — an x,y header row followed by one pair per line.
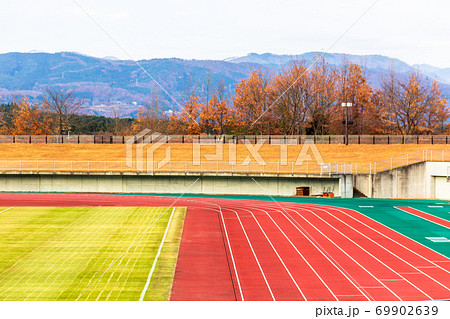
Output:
x,y
276,186
412,181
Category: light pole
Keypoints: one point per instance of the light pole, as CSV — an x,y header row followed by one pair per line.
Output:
x,y
346,121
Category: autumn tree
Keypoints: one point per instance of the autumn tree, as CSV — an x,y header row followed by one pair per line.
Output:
x,y
411,106
152,115
63,106
352,87
324,96
252,104
215,115
293,91
28,119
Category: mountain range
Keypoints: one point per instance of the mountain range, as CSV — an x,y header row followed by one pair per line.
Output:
x,y
121,86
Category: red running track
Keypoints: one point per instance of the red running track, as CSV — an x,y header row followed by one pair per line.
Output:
x,y
259,250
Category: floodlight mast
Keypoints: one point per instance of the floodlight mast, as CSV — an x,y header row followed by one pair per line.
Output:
x,y
345,121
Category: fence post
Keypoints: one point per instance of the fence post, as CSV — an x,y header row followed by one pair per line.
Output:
x,y
407,159
391,163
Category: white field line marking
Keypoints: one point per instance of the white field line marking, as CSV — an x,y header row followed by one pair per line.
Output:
x,y
347,254
366,206
373,256
276,252
231,253
254,254
438,239
320,250
6,210
138,238
386,236
152,270
436,206
444,220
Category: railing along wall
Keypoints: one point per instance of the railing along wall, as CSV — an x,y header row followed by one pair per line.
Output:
x,y
218,167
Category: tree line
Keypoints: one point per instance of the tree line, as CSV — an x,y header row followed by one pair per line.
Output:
x,y
303,99
308,100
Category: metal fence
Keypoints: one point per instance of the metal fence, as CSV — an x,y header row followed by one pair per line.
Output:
x,y
182,167
234,139
217,167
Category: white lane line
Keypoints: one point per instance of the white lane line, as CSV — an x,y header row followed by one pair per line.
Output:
x,y
424,218
436,206
370,254
156,258
366,206
344,252
387,250
254,255
388,237
231,253
278,255
299,253
6,210
319,249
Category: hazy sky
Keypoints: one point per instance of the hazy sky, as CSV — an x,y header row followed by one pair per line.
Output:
x,y
414,31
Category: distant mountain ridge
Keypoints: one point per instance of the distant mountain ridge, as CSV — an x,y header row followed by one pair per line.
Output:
x,y
107,82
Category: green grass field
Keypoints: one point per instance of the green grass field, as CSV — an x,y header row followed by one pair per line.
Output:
x,y
87,253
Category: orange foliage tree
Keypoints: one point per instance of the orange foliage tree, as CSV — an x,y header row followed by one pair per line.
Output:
x,y
252,105
30,119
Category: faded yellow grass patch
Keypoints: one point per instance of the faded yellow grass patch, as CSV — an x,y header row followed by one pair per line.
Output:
x,y
184,152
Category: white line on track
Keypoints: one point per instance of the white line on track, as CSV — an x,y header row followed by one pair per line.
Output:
x,y
428,220
6,210
370,254
348,255
300,254
316,206
393,240
254,254
321,250
384,248
276,252
231,253
152,270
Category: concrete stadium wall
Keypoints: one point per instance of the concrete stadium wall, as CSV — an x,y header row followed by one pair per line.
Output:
x,y
422,180
276,186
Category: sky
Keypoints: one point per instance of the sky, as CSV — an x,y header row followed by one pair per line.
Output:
x,y
414,31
